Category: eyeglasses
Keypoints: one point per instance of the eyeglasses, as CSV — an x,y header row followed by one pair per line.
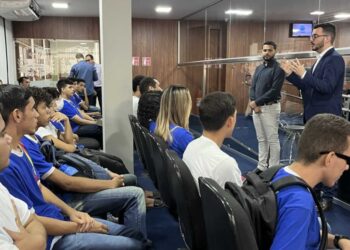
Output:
x,y
315,36
339,155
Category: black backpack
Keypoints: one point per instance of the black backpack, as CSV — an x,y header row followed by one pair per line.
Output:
x,y
257,196
59,158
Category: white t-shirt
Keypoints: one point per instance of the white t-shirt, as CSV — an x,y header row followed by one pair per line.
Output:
x,y
47,131
8,216
204,158
135,105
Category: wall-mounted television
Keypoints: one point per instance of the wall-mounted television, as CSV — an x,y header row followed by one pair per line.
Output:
x,y
300,29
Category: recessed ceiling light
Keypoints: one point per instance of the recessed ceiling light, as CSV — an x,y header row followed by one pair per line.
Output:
x,y
82,43
163,9
342,15
238,12
60,5
317,13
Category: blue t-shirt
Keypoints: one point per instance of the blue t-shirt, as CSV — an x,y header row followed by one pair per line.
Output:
x,y
58,125
43,167
70,110
181,138
297,225
21,179
76,100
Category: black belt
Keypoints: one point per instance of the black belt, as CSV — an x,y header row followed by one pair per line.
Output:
x,y
272,102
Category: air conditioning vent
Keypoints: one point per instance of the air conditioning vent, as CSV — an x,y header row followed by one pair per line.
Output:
x,y
20,10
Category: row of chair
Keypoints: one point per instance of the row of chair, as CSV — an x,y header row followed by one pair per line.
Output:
x,y
209,221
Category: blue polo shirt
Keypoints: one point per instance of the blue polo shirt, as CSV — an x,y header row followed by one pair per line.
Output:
x,y
69,109
297,225
22,181
76,100
181,138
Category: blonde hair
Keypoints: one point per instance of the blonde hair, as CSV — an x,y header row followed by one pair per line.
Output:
x,y
175,108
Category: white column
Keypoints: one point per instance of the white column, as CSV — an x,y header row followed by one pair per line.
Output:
x,y
116,46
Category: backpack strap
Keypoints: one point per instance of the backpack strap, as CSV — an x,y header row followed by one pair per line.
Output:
x,y
293,180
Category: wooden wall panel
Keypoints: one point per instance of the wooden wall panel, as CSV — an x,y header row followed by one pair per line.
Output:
x,y
73,28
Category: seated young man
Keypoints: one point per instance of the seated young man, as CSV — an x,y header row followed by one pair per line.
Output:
x,y
58,127
94,196
149,84
323,155
203,156
67,228
67,144
19,227
81,100
82,124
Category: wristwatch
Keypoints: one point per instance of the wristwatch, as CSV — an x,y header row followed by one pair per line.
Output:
x,y
337,238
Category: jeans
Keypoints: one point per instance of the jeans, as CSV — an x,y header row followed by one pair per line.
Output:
x,y
118,237
99,95
266,126
127,202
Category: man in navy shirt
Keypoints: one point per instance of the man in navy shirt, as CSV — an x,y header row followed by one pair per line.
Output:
x,y
66,227
323,155
86,71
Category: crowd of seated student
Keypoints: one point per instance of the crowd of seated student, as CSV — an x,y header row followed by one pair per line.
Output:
x,y
66,227
82,124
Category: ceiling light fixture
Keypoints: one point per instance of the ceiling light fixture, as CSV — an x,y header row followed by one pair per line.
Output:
x,y
238,12
60,5
317,13
342,15
163,9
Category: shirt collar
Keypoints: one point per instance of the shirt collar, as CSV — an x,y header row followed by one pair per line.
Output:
x,y
319,56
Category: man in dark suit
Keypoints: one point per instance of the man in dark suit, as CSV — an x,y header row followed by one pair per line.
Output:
x,y
322,86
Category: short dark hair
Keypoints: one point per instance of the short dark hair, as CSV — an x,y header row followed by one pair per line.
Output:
x,y
13,97
328,29
146,83
323,133
53,92
271,43
40,95
215,109
62,84
91,56
79,56
148,109
73,79
21,79
80,80
136,82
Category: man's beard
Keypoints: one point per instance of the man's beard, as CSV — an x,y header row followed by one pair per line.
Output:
x,y
317,47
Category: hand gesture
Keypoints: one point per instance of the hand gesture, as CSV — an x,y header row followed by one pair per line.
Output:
x,y
58,116
84,221
286,67
297,67
117,181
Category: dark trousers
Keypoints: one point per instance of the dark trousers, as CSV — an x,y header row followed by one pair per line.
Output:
x,y
92,100
98,96
91,131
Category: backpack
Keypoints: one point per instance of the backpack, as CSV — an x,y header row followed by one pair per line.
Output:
x,y
257,196
70,164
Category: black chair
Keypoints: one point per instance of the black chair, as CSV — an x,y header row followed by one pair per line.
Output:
x,y
227,224
137,140
162,166
189,206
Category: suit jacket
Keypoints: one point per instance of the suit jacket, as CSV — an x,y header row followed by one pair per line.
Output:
x,y
322,89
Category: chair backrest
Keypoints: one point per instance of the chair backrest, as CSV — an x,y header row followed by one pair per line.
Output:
x,y
189,206
147,151
227,225
134,123
161,165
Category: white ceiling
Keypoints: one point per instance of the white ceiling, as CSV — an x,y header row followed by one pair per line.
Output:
x,y
276,9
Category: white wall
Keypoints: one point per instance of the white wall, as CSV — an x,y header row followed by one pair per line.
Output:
x,y
9,46
115,41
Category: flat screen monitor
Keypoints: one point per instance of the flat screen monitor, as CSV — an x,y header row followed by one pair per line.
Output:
x,y
300,29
